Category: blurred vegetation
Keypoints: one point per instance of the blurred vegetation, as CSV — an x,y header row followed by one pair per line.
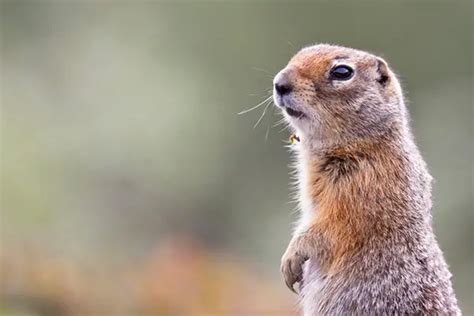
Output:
x,y
130,186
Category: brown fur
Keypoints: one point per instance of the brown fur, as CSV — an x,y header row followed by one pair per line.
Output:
x,y
343,217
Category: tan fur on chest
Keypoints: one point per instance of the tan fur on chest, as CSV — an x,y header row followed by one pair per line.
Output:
x,y
349,185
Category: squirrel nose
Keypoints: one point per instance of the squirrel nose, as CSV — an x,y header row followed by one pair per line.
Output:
x,y
282,84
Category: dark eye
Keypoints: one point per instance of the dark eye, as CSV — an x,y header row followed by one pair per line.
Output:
x,y
341,72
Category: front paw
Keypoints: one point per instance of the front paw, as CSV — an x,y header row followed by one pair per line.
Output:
x,y
292,267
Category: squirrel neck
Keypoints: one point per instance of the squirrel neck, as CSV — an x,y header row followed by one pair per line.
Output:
x,y
388,129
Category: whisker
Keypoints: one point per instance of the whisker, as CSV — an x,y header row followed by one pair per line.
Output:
x,y
255,107
279,122
263,114
267,91
266,134
263,70
284,128
269,125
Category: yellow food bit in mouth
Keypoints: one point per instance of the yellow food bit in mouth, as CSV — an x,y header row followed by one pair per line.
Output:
x,y
294,138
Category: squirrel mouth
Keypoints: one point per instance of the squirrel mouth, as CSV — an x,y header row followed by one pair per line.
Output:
x,y
294,113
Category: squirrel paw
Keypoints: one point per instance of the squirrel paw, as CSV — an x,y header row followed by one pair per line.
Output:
x,y
292,267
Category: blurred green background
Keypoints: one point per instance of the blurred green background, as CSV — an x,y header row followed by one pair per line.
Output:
x,y
129,184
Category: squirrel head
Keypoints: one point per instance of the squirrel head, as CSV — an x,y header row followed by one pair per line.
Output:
x,y
334,94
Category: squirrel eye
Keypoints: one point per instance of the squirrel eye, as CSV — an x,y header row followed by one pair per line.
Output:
x,y
341,72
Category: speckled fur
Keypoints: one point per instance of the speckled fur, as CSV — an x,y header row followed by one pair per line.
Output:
x,y
364,244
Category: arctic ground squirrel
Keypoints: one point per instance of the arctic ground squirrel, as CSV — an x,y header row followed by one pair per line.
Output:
x,y
364,244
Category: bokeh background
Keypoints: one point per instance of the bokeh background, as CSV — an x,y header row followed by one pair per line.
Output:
x,y
129,184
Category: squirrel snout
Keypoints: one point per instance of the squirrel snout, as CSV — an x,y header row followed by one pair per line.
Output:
x,y
282,83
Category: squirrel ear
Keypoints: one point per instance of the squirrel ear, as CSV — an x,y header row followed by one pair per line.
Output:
x,y
383,72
